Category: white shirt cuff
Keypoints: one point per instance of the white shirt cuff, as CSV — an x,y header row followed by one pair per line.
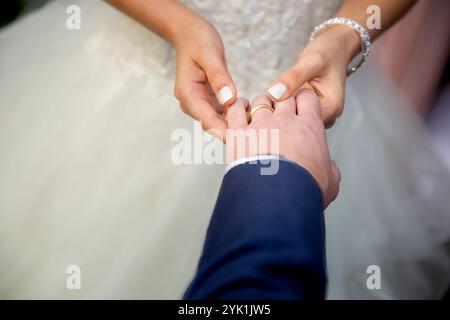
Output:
x,y
254,159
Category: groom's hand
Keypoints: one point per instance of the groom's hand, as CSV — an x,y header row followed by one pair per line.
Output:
x,y
296,132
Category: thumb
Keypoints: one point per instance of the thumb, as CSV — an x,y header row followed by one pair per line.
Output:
x,y
292,80
219,78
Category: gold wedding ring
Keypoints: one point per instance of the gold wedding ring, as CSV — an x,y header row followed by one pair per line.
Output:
x,y
259,107
313,88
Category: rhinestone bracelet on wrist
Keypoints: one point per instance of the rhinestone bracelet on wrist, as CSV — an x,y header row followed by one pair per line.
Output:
x,y
366,41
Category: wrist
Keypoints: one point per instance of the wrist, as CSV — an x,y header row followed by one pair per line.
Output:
x,y
345,43
180,20
186,28
349,40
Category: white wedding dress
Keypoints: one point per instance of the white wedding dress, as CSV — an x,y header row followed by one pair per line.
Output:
x,y
86,176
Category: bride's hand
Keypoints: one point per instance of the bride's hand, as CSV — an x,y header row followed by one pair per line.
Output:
x,y
323,64
203,84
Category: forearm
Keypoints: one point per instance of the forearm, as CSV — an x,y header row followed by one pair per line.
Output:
x,y
390,12
167,18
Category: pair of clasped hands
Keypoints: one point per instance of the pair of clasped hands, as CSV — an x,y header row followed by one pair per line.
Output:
x,y
206,92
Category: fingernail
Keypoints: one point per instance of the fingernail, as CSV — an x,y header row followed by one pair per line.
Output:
x,y
277,90
225,94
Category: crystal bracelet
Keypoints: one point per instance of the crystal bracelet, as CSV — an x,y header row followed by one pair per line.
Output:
x,y
366,41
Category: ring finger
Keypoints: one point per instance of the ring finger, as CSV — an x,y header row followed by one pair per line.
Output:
x,y
260,108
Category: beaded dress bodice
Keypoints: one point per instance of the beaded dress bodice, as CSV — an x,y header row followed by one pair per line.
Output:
x,y
262,38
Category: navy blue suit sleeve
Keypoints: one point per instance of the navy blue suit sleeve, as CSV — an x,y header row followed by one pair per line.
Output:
x,y
265,239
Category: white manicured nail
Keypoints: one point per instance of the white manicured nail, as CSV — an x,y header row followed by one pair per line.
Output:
x,y
277,90
225,94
